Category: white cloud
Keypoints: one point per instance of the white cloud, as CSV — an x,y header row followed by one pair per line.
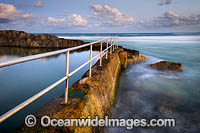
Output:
x,y
169,19
111,16
73,20
55,22
38,4
77,20
8,13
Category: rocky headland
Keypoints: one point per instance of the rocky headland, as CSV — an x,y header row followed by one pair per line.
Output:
x,y
12,38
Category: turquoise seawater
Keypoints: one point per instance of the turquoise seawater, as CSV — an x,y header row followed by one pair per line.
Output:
x,y
148,93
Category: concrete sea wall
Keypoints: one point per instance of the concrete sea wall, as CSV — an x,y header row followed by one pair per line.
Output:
x,y
99,96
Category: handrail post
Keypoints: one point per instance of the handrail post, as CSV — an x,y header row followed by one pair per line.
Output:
x,y
90,71
114,42
67,74
111,46
107,50
101,54
117,41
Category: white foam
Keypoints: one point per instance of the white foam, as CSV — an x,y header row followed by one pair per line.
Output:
x,y
170,76
145,76
154,39
92,38
163,39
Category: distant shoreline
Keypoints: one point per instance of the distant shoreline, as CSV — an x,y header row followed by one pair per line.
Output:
x,y
21,39
12,38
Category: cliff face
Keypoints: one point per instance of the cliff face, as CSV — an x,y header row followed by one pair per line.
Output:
x,y
12,38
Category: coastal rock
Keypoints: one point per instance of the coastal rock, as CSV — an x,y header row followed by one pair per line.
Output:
x,y
132,52
130,56
123,58
12,38
134,56
137,59
166,65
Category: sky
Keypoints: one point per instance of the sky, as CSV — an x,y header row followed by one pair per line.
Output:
x,y
100,16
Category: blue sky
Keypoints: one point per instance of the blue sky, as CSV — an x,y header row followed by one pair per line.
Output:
x,y
82,16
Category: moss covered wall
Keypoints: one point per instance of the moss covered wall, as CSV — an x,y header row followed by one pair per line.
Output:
x,y
99,90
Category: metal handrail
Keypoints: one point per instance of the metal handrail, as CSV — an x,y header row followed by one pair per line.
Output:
x,y
113,45
43,55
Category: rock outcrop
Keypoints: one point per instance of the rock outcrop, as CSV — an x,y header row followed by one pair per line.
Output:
x,y
134,56
123,58
12,38
100,91
166,65
130,56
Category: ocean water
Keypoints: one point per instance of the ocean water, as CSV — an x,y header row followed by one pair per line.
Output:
x,y
142,92
148,93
